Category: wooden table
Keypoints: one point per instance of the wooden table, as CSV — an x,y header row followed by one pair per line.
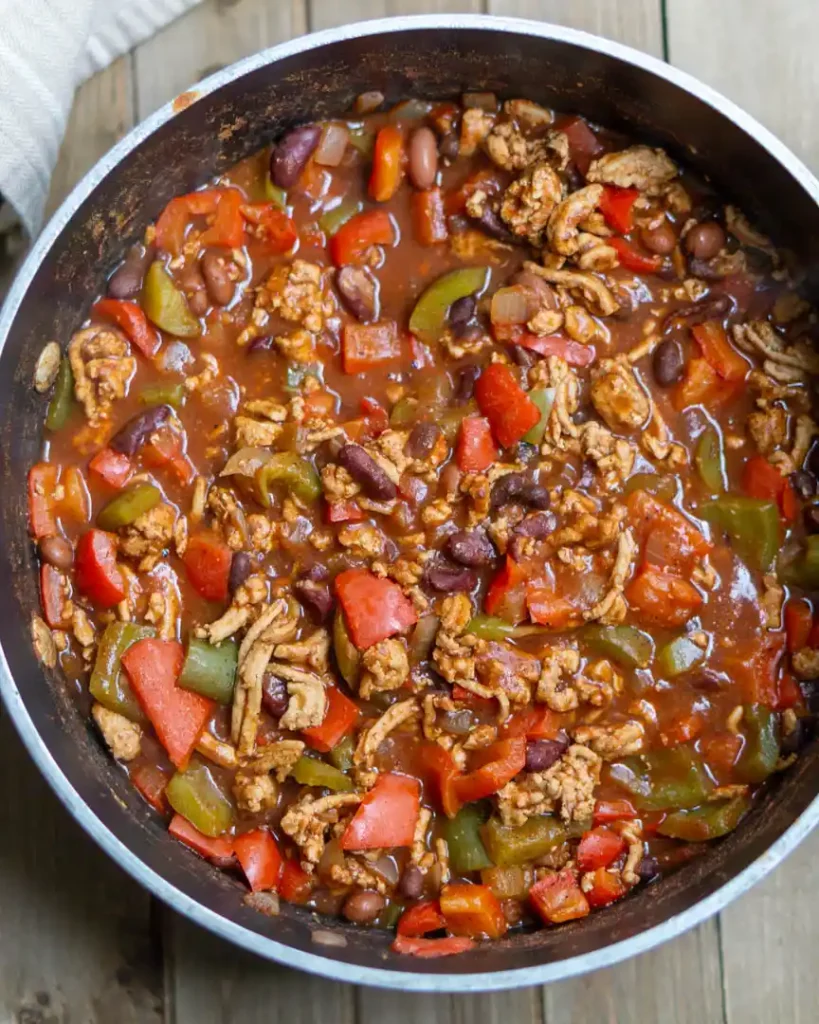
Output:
x,y
80,943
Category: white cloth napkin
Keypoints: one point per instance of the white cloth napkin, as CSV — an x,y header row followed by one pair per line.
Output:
x,y
47,48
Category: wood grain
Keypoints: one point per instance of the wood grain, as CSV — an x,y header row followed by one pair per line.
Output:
x,y
327,13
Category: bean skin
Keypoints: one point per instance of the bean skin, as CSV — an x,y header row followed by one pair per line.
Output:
x,y
219,286
461,311
130,438
366,471
359,292
290,156
274,696
56,551
539,525
241,566
470,548
412,882
126,281
648,869
542,754
804,484
465,384
422,440
507,488
363,907
264,343
450,579
660,240
668,363
535,496
423,158
705,240
713,307
315,596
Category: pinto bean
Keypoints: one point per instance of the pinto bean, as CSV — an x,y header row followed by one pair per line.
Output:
x,y
450,579
241,566
192,282
449,146
126,281
359,292
315,596
422,440
423,158
542,754
412,882
363,907
291,154
56,551
472,548
366,471
274,695
705,240
130,438
668,362
660,239
218,283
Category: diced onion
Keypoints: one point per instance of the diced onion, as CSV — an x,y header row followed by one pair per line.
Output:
x,y
246,462
265,902
322,937
510,306
387,868
333,142
367,102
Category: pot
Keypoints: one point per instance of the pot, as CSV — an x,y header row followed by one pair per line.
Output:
x,y
225,118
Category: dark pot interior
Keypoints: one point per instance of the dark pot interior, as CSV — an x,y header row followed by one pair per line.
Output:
x,y
242,112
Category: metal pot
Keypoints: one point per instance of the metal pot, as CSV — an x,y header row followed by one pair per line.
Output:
x,y
228,116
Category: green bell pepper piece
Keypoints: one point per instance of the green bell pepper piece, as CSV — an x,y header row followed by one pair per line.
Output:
x,y
128,506
662,780
341,756
296,372
490,627
210,670
462,833
362,139
544,399
677,657
802,571
390,915
661,486
518,844
626,645
752,525
108,684
708,822
166,306
331,220
62,401
404,412
194,794
709,460
295,472
274,194
164,394
309,771
429,316
761,751
347,654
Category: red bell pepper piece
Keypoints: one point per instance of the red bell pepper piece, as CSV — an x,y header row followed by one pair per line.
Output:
x,y
151,783
558,898
633,260
548,609
440,773
167,448
389,159
429,217
387,815
340,717
719,352
798,623
485,181
599,848
42,484
76,501
583,143
96,571
720,751
473,911
130,318
754,665
259,858
762,480
506,596
374,608
428,949
535,722
510,411
421,919
702,385
476,450
178,716
343,512
375,415
661,598
222,204
501,762
606,888
665,535
789,693
271,226
351,241
573,352
114,468
295,885
365,346
617,206
607,811
207,562
52,595
219,848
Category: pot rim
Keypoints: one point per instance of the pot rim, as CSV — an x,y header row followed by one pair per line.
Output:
x,y
93,825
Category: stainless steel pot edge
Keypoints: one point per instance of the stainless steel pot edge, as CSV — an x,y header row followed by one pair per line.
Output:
x,y
50,769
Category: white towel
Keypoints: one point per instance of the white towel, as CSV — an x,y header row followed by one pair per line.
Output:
x,y
47,48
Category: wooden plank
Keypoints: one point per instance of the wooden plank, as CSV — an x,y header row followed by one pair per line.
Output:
x,y
767,936
327,13
635,22
75,937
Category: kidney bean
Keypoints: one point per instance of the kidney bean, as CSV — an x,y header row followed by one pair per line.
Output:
x,y
648,869
542,754
450,579
412,882
465,382
472,548
713,307
219,286
492,225
316,573
668,362
192,282
507,488
537,525
241,566
290,155
423,158
810,517
449,479
705,240
275,697
523,357
366,471
130,438
804,484
706,679
315,596
359,292
458,723
56,551
328,901
422,440
449,146
461,311
264,343
126,281
363,907
535,496
660,239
